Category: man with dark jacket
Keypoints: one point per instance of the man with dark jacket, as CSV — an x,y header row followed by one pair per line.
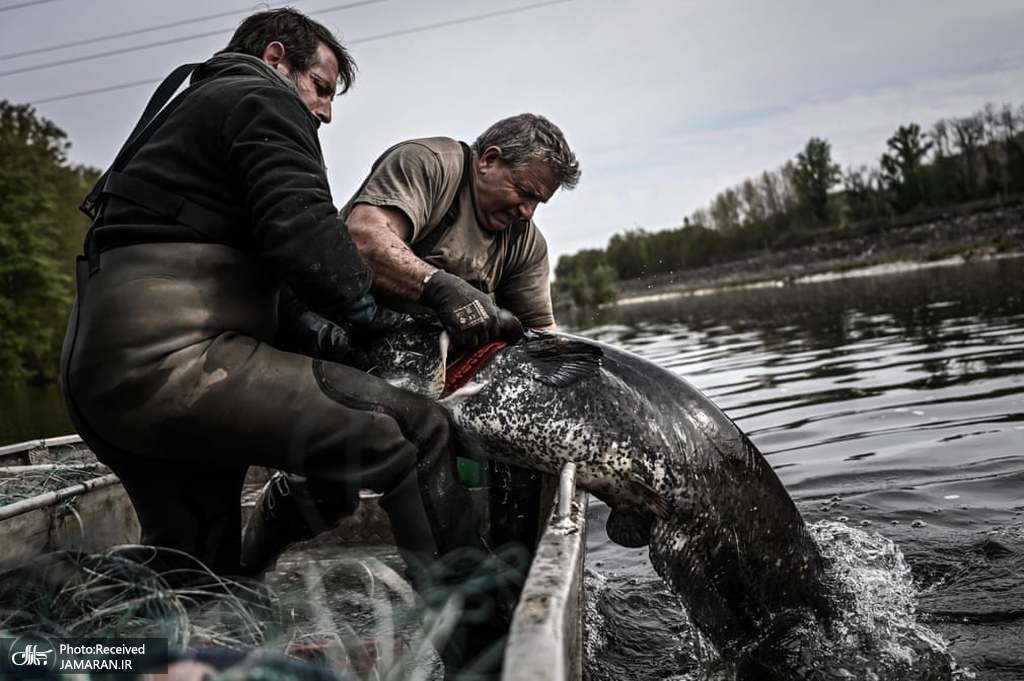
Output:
x,y
170,369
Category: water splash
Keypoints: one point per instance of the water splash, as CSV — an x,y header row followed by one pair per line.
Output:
x,y
636,628
877,634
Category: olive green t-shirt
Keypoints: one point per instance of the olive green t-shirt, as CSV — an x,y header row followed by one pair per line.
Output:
x,y
421,178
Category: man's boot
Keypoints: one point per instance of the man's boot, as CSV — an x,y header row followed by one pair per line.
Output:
x,y
466,568
286,512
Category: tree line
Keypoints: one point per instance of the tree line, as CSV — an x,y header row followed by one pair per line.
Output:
x,y
41,231
957,160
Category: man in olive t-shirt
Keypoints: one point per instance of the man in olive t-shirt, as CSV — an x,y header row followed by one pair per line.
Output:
x,y
451,226
432,208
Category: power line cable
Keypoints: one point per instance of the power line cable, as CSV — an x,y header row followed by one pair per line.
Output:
x,y
23,4
159,43
108,53
463,20
125,34
96,91
381,36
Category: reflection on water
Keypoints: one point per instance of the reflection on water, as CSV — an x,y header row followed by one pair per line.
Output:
x,y
29,412
894,403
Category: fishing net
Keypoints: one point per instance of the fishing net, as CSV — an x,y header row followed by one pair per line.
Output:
x,y
346,615
24,482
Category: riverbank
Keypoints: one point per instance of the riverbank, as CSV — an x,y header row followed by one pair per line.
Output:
x,y
952,239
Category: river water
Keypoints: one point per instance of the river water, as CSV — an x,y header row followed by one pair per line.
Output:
x,y
893,404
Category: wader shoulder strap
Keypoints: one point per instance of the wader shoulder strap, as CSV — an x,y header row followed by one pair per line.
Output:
x,y
209,223
452,214
143,130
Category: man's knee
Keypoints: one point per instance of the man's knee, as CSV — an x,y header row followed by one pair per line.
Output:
x,y
421,420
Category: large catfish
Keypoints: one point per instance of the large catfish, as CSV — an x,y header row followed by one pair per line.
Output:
x,y
677,473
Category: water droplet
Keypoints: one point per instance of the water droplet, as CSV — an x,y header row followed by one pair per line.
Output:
x,y
894,522
842,519
834,499
918,523
865,523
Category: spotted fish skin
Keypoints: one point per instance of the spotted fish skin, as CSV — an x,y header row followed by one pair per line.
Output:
x,y
724,534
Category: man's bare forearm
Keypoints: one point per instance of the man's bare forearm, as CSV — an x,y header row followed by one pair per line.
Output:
x,y
378,234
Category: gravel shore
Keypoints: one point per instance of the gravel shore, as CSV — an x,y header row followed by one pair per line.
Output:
x,y
993,232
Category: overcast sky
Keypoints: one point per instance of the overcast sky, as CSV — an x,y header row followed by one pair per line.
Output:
x,y
665,103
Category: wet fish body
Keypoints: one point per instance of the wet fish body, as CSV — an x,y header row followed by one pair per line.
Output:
x,y
676,471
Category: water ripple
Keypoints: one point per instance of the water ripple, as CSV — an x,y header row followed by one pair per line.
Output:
x,y
896,403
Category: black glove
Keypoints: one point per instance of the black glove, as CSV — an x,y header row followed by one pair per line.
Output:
x,y
469,315
319,337
509,327
308,333
363,312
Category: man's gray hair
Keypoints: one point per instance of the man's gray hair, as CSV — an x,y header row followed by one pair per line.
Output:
x,y
527,137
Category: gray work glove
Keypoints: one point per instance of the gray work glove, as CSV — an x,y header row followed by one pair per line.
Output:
x,y
468,314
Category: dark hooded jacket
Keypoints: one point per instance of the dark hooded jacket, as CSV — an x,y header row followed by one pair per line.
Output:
x,y
243,145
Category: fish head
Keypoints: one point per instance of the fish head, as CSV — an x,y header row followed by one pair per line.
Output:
x,y
409,352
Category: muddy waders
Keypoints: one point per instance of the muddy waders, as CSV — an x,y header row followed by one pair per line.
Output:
x,y
437,534
170,368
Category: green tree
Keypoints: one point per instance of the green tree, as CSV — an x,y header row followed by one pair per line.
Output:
x,y
901,165
725,211
943,176
586,278
38,228
1013,124
968,133
629,254
978,156
814,176
857,192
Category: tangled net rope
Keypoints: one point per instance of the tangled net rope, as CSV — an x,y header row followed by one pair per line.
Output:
x,y
130,592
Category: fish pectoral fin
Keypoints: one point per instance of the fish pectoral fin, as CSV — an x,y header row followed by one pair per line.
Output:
x,y
560,362
629,528
659,506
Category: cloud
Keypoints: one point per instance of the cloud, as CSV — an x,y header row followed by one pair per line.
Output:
x,y
665,102
655,184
